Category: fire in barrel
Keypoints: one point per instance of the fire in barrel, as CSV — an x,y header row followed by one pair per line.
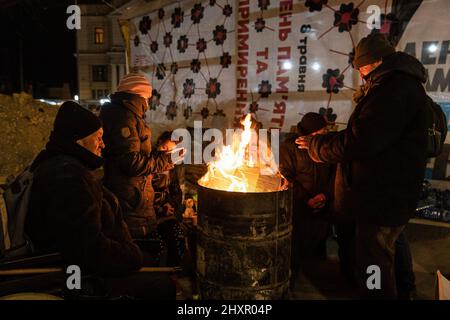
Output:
x,y
244,224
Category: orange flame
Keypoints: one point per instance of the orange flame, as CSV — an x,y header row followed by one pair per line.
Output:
x,y
228,161
229,171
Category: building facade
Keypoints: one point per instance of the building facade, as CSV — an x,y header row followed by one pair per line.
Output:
x,y
101,59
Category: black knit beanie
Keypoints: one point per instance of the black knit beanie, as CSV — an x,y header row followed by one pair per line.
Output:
x,y
371,49
73,122
310,123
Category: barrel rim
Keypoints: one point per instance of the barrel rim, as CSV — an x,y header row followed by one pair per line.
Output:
x,y
240,192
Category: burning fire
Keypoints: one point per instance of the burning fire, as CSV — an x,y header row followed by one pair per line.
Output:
x,y
236,167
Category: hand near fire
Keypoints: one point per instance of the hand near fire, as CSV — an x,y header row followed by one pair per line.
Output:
x,y
318,202
168,209
177,154
303,142
284,183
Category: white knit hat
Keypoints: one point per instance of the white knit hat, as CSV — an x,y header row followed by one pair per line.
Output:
x,y
135,83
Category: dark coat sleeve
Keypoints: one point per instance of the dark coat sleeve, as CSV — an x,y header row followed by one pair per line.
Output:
x,y
328,148
382,118
75,215
127,147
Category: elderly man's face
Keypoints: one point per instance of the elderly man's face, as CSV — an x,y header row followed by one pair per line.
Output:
x,y
93,142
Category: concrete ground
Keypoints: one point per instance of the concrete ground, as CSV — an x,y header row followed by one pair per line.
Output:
x,y
321,280
430,246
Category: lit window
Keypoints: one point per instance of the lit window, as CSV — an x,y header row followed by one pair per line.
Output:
x,y
99,35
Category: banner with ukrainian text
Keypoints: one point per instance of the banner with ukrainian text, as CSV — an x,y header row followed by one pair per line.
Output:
x,y
217,60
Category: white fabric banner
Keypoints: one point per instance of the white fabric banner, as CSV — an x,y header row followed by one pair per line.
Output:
x,y
217,60
278,59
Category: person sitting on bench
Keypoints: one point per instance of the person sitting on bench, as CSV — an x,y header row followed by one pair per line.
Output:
x,y
71,212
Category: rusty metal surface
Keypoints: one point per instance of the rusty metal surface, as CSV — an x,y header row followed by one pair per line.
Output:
x,y
243,245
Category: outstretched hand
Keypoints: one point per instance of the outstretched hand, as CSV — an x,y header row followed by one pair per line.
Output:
x,y
284,184
177,155
303,142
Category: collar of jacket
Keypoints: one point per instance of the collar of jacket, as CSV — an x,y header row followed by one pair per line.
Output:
x,y
57,146
399,62
130,101
373,79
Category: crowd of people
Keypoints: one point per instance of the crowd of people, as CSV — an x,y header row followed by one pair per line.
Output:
x,y
365,180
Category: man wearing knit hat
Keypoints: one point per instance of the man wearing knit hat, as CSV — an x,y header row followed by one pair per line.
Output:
x,y
311,183
129,160
72,213
381,158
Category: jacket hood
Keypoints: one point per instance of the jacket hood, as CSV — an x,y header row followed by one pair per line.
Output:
x,y
399,62
130,101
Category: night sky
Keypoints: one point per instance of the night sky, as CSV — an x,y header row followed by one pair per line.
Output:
x,y
48,46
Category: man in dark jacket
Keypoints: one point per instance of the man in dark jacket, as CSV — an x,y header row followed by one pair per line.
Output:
x,y
382,157
312,183
72,213
129,160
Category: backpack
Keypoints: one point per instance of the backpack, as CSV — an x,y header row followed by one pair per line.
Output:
x,y
14,200
437,128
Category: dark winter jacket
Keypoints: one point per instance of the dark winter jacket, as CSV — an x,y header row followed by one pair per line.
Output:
x,y
129,161
382,152
72,213
167,190
309,178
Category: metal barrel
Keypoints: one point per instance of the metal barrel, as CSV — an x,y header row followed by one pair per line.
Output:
x,y
243,244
